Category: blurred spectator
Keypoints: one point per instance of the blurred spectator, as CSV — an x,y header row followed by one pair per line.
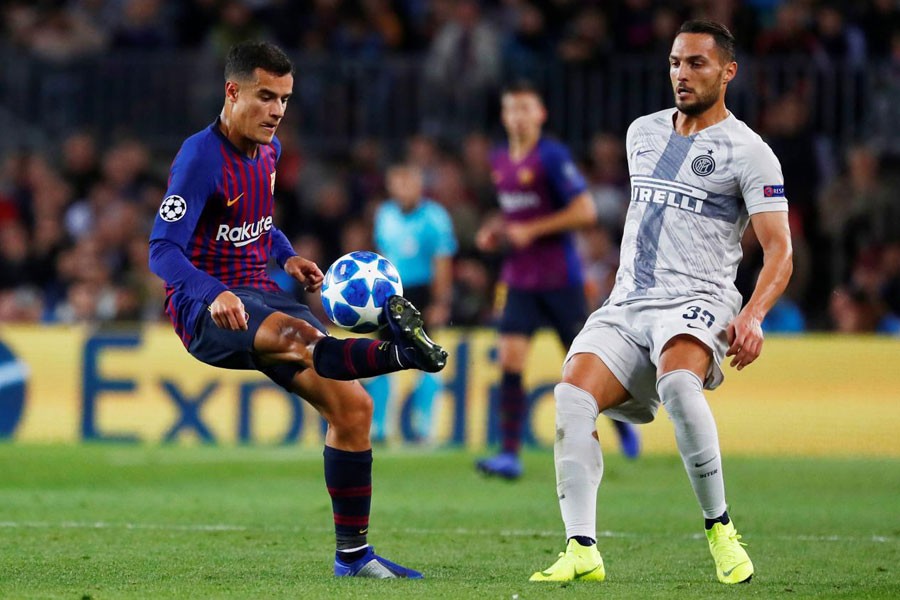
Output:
x,y
784,318
854,311
587,42
884,121
235,23
600,256
858,209
634,25
354,38
476,152
366,172
880,22
22,305
462,69
423,152
331,206
890,276
788,132
465,51
79,163
472,292
14,267
53,31
666,22
450,191
608,180
142,27
790,36
839,42
528,45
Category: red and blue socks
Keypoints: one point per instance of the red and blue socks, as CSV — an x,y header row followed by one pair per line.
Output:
x,y
348,476
512,412
355,358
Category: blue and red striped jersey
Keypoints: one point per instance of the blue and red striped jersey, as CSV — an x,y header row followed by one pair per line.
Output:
x,y
536,186
214,229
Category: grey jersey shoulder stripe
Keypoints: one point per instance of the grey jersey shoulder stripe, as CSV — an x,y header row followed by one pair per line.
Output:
x,y
647,240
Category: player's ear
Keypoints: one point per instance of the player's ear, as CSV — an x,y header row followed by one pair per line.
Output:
x,y
231,91
730,72
543,113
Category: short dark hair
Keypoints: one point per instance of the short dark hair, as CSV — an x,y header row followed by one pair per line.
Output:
x,y
723,38
520,86
245,57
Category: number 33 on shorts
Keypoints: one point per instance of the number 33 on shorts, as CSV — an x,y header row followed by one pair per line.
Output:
x,y
696,313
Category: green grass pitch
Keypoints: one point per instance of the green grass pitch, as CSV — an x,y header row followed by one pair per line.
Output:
x,y
180,522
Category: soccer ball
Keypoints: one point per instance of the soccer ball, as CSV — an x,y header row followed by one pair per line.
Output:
x,y
355,289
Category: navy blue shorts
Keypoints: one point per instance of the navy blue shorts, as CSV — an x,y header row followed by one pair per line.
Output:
x,y
565,310
234,349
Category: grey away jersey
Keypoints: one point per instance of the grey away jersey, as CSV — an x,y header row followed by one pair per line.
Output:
x,y
691,199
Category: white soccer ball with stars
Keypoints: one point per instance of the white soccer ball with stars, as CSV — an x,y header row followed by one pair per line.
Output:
x,y
355,289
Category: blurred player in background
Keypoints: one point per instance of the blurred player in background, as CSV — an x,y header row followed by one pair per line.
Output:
x,y
416,234
698,176
543,198
211,242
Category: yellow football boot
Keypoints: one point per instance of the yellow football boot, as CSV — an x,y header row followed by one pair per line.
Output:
x,y
577,563
732,563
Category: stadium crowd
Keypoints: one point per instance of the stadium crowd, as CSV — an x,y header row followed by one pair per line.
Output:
x,y
74,218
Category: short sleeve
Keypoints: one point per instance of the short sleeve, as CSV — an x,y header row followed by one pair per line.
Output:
x,y
629,142
761,181
563,175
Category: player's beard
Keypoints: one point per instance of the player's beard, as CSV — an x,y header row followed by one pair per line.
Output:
x,y
701,103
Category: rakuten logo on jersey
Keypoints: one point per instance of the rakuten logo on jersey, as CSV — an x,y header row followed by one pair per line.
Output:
x,y
245,233
513,201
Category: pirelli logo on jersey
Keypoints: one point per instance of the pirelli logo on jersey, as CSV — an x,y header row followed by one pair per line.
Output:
x,y
245,233
669,193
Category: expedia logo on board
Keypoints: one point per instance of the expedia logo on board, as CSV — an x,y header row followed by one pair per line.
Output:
x,y
13,380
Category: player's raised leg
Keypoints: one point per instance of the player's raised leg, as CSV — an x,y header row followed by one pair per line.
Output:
x,y
348,472
684,363
588,387
282,338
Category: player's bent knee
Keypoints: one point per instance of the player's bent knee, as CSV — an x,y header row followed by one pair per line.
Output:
x,y
678,384
352,411
681,392
573,399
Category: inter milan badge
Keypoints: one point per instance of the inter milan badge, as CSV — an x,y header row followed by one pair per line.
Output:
x,y
703,165
173,208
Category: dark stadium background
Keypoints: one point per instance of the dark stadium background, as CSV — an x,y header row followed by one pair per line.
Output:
x,y
95,97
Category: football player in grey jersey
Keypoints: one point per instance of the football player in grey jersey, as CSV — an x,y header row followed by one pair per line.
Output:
x,y
698,176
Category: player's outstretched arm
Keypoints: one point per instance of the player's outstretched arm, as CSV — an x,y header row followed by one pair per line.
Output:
x,y
578,213
745,331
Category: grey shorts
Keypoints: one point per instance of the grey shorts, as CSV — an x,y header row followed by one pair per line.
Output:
x,y
629,338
